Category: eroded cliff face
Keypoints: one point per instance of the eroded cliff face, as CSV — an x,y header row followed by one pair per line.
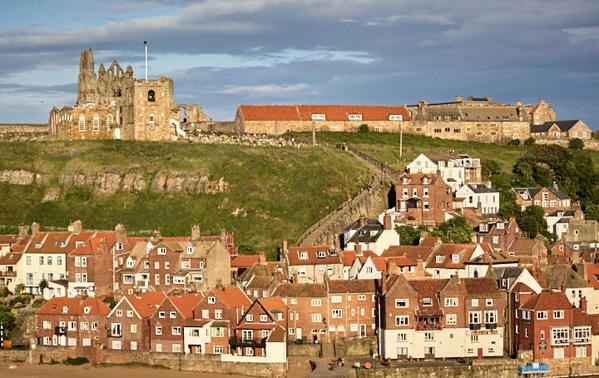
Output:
x,y
109,182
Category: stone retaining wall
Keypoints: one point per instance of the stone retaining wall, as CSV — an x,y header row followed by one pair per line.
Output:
x,y
13,355
497,368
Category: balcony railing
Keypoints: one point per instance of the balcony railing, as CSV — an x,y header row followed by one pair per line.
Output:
x,y
60,330
475,326
238,341
428,326
491,326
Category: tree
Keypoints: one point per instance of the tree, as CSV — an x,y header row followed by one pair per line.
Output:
x,y
363,128
530,141
490,167
408,235
507,204
531,221
455,230
19,288
514,142
576,144
592,212
43,285
7,317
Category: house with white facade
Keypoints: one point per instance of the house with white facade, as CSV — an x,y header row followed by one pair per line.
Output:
x,y
478,196
371,235
456,170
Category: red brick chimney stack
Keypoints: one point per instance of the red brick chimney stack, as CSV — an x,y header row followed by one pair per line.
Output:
x,y
387,222
35,228
358,249
261,258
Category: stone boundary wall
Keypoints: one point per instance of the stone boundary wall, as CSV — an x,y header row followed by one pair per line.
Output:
x,y
23,132
589,144
14,355
369,202
498,368
175,361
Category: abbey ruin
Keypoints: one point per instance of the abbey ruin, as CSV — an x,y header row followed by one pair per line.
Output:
x,y
115,105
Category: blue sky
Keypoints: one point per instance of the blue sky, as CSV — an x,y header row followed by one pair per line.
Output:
x,y
223,53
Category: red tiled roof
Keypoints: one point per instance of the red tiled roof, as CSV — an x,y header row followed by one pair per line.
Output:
x,y
185,303
75,306
448,250
428,287
548,300
401,261
413,252
278,335
10,258
242,261
273,303
379,262
232,296
7,239
580,318
351,286
522,288
348,257
146,303
301,290
522,245
480,286
331,112
312,255
430,241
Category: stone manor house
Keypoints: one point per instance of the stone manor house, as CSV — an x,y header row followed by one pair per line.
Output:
x,y
112,104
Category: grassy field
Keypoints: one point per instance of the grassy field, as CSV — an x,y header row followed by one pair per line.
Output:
x,y
275,193
385,147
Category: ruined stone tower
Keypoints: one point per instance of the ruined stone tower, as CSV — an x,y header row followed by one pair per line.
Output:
x,y
86,84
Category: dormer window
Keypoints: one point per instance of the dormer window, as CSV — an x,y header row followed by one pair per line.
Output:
x,y
425,181
354,117
65,309
162,251
189,250
455,259
426,302
321,254
86,309
211,300
333,252
500,226
303,255
439,259
405,181
119,246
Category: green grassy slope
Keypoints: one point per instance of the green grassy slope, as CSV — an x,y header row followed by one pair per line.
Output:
x,y
385,147
275,193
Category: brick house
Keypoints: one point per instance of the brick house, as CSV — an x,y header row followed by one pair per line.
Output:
x,y
450,259
498,234
549,328
261,319
423,198
129,321
429,318
89,266
528,251
310,264
72,322
550,198
307,310
167,322
352,308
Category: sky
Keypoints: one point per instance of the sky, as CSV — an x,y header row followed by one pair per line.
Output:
x,y
223,53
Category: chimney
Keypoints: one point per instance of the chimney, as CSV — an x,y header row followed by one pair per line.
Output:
x,y
387,222
35,228
156,237
555,186
459,98
195,232
363,221
223,236
541,101
285,245
583,304
518,103
219,284
575,257
23,231
392,267
358,249
419,266
103,245
295,277
120,230
76,227
337,243
261,258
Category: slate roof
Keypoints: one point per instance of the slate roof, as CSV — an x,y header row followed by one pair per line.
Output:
x,y
480,188
507,272
368,234
562,275
562,125
532,192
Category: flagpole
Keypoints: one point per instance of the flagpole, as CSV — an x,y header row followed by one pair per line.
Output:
x,y
146,56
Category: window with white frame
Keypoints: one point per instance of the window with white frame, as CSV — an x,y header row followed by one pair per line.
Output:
x,y
491,317
582,334
162,251
176,331
161,314
541,315
489,302
158,330
47,324
211,300
172,315
336,299
316,318
402,302
474,317
451,302
402,320
218,349
581,351
474,302
249,318
316,302
218,314
560,335
558,353
558,314
133,328
451,319
337,313
263,318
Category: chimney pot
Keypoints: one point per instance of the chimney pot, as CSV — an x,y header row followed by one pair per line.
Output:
x,y
358,249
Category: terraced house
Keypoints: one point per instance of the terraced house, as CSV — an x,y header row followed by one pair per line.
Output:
x,y
440,318
311,264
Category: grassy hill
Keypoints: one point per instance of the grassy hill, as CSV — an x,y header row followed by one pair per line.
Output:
x,y
275,192
385,147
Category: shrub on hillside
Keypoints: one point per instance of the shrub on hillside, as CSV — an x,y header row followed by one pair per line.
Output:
x,y
514,142
530,141
363,128
576,144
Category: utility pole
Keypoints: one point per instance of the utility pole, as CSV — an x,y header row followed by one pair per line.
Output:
x,y
313,133
146,56
400,140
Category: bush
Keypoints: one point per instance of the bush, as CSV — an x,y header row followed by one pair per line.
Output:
x,y
363,128
23,299
75,361
530,141
4,292
514,142
576,144
38,303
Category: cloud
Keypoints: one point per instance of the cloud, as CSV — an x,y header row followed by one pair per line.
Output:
x,y
583,34
266,90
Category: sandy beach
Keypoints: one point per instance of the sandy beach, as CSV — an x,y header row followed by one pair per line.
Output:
x,y
89,371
